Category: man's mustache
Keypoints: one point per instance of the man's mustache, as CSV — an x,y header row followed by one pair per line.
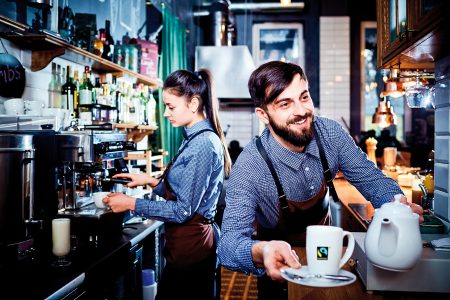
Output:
x,y
300,118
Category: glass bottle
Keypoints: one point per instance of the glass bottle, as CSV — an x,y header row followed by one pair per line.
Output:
x,y
86,88
428,182
76,93
98,45
108,42
54,89
68,91
151,109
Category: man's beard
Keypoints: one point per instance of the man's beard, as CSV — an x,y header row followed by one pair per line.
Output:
x,y
294,138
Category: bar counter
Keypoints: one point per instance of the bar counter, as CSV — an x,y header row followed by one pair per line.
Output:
x,y
355,290
92,268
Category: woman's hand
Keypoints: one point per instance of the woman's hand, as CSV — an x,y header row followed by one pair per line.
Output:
x,y
138,179
119,202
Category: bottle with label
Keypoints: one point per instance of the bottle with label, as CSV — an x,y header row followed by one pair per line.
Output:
x,y
68,92
86,88
76,93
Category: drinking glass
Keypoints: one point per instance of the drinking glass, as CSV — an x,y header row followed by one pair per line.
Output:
x,y
61,241
419,95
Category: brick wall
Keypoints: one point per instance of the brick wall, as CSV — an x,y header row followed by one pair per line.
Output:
x,y
442,139
243,123
335,68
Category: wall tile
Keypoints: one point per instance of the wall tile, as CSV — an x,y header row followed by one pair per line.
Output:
x,y
442,117
442,93
442,68
442,149
441,204
441,176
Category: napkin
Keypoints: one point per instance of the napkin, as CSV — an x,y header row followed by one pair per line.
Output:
x,y
441,244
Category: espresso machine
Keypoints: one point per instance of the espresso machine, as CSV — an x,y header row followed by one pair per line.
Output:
x,y
86,161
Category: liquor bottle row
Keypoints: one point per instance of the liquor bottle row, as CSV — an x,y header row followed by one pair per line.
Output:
x,y
93,101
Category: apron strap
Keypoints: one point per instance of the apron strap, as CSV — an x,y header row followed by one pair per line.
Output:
x,y
164,174
326,169
168,194
281,194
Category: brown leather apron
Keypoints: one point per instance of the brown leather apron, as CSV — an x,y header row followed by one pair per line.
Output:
x,y
294,217
313,211
190,242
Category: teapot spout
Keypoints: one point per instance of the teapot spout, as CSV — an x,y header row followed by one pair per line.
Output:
x,y
388,239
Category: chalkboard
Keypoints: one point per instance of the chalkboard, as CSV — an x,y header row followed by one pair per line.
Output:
x,y
12,76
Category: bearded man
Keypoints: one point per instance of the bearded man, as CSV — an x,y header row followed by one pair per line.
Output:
x,y
277,186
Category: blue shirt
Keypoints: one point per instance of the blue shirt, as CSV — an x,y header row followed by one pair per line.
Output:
x,y
196,178
251,191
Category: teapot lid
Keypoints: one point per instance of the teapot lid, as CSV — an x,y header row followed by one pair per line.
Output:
x,y
396,207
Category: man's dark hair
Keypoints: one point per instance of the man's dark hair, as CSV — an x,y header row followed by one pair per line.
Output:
x,y
270,79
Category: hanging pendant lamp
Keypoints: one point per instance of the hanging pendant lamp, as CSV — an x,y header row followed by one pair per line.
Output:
x,y
384,115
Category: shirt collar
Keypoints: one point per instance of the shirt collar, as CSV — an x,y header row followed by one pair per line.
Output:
x,y
290,158
204,124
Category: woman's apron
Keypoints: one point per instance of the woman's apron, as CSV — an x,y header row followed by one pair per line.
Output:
x,y
190,242
294,217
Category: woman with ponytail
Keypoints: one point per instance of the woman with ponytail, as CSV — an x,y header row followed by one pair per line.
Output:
x,y
189,188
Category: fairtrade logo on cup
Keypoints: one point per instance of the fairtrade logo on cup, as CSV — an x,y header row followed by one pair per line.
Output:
x,y
324,246
322,253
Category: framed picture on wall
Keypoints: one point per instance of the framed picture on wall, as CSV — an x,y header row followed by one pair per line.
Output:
x,y
278,41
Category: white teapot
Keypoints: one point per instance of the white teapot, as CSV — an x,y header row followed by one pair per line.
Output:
x,y
393,240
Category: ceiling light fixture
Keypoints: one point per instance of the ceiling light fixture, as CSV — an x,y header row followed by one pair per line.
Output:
x,y
285,2
393,88
384,115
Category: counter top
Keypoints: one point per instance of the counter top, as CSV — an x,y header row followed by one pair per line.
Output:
x,y
39,280
355,290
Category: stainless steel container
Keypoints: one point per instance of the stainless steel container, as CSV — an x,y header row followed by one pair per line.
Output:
x,y
16,185
75,146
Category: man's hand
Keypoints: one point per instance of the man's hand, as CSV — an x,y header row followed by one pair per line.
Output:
x,y
416,208
273,256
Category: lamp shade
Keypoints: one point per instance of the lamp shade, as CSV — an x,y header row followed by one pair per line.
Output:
x,y
384,115
391,89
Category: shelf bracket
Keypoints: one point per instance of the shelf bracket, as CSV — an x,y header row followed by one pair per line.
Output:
x,y
41,58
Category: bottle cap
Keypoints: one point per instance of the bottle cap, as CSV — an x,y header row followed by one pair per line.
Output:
x,y
148,277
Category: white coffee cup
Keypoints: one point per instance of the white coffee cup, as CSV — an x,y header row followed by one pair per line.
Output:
x,y
61,236
14,106
324,246
33,107
98,199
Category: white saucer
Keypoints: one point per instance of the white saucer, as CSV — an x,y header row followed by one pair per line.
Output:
x,y
317,282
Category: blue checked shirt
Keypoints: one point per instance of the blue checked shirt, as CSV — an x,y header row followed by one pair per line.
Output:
x,y
252,194
196,179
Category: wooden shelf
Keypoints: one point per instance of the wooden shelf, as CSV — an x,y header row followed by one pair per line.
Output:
x,y
136,132
149,158
45,47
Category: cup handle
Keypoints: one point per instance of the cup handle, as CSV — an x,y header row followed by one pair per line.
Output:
x,y
350,247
